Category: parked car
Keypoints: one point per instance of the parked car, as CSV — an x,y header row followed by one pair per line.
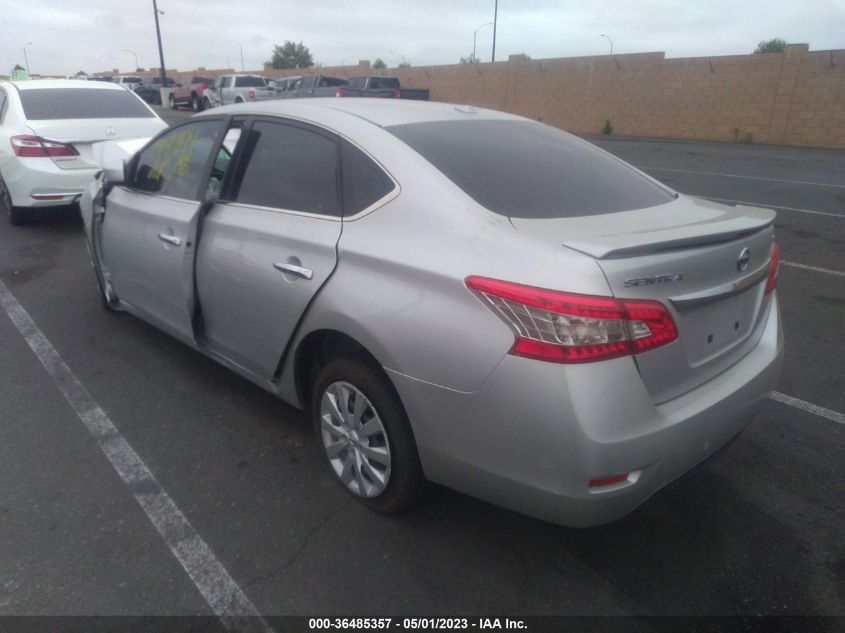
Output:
x,y
454,294
228,89
47,129
150,89
325,86
189,91
283,84
372,82
129,81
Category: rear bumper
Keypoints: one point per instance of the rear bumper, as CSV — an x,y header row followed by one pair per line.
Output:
x,y
39,182
533,436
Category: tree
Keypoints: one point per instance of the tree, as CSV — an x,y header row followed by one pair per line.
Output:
x,y
774,45
139,70
291,55
379,64
470,59
523,56
80,73
404,65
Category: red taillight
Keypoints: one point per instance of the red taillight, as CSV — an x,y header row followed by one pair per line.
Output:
x,y
251,93
772,279
397,94
29,146
338,92
573,328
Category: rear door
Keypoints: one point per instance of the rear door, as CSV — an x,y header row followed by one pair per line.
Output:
x,y
270,243
149,229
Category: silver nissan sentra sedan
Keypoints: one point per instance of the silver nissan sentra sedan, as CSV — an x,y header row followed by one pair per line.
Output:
x,y
456,295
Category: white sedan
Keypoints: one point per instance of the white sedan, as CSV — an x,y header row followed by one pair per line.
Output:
x,y
47,129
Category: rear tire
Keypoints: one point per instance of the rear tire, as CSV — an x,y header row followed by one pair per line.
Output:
x,y
18,216
355,406
239,100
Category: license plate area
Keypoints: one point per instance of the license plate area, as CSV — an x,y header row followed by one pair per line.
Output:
x,y
713,330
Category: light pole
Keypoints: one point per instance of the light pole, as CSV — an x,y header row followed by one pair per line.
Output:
x,y
475,34
25,58
495,23
400,55
242,57
137,65
160,50
609,40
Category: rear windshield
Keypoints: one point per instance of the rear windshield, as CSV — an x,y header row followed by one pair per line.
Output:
x,y
523,169
131,80
250,82
384,82
81,103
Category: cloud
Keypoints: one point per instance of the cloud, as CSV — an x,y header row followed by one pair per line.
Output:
x,y
92,36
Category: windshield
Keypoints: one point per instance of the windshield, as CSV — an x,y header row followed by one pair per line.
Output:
x,y
523,169
81,103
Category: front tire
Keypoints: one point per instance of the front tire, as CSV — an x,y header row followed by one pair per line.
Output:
x,y
173,105
206,104
365,437
196,104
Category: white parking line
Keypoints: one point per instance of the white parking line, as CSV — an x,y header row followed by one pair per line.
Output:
x,y
815,269
226,599
809,407
715,173
776,206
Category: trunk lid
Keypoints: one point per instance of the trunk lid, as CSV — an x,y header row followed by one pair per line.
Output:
x,y
83,133
706,262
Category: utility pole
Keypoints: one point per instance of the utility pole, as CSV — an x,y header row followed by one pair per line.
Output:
x,y
495,21
160,50
26,59
242,57
137,66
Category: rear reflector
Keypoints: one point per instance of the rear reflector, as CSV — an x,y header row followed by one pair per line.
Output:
x,y
572,328
338,92
772,279
251,94
29,146
608,481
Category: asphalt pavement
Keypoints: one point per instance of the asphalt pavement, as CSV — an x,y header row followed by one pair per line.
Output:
x,y
759,529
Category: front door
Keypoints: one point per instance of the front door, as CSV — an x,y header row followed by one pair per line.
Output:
x,y
150,225
269,243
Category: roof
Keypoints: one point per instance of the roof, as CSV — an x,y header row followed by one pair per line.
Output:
x,y
36,84
381,112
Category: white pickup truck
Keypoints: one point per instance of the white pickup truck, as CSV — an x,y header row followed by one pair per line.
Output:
x,y
237,89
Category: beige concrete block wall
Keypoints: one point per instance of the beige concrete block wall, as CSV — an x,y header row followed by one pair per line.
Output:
x,y
793,98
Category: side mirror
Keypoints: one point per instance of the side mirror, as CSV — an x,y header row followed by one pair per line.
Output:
x,y
116,175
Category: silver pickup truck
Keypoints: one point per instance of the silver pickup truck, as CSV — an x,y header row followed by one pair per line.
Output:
x,y
229,89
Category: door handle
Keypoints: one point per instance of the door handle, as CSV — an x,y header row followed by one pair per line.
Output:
x,y
299,271
170,239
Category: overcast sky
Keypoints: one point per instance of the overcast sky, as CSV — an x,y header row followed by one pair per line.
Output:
x,y
91,35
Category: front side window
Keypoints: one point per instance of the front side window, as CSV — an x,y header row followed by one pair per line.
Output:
x,y
288,167
175,163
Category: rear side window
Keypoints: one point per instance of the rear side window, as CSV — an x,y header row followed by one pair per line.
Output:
x,y
288,167
174,164
250,82
364,182
40,104
523,169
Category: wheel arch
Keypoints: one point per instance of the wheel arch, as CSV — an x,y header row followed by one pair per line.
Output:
x,y
315,350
